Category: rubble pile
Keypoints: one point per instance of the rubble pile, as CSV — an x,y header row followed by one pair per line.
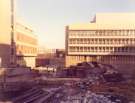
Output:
x,y
100,82
90,97
92,69
69,94
87,82
78,96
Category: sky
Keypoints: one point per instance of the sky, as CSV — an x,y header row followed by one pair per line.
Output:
x,y
48,18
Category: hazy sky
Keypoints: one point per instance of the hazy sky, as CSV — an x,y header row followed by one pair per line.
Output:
x,y
49,17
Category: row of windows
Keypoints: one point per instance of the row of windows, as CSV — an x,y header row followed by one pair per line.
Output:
x,y
102,49
26,39
105,59
102,41
21,49
117,59
102,33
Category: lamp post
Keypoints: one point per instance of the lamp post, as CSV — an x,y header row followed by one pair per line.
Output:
x,y
13,46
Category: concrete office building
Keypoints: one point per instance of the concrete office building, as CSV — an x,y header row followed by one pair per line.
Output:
x,y
110,38
18,43
26,45
5,32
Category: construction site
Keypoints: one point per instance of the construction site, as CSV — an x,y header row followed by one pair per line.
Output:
x,y
96,62
87,82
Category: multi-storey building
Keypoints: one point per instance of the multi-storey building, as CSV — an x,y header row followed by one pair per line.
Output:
x,y
26,45
18,44
109,39
51,57
5,32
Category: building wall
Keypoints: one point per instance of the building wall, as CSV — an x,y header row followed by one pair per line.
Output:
x,y
109,42
5,32
24,38
26,45
55,57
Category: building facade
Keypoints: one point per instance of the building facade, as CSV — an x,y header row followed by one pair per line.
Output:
x,y
109,39
18,44
26,45
5,32
51,57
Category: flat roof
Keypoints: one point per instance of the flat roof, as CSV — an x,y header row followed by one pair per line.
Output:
x,y
95,26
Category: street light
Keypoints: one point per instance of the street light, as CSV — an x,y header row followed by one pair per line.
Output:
x,y
13,46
